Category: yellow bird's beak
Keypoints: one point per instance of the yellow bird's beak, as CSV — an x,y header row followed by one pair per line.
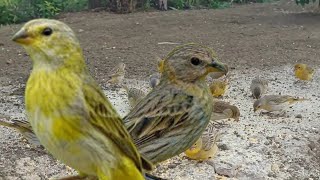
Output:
x,y
22,37
215,66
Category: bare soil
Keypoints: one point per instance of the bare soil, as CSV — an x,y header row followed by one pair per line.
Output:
x,y
256,35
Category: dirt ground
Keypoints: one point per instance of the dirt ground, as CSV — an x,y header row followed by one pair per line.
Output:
x,y
255,39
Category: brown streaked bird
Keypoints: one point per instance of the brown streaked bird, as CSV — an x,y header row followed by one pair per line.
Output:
x,y
273,103
258,87
176,112
134,95
206,146
303,72
24,128
117,74
224,110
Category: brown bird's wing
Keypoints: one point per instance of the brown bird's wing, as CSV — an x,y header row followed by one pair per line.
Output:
x,y
209,137
106,120
278,99
220,106
158,113
22,123
24,127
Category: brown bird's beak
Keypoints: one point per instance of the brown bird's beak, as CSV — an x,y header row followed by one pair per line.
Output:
x,y
217,67
22,37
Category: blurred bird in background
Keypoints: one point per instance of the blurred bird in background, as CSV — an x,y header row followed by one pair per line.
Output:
x,y
303,72
258,87
117,74
273,103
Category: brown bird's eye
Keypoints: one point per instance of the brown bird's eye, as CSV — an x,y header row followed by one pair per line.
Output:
x,y
195,61
47,31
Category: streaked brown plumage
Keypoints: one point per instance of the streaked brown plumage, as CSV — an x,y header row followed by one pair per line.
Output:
x,y
134,95
24,128
224,110
117,74
176,112
206,146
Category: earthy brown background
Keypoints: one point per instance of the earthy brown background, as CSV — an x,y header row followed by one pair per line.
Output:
x,y
256,35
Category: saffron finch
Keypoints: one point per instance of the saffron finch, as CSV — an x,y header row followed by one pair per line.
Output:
x,y
273,103
176,112
303,72
68,111
218,87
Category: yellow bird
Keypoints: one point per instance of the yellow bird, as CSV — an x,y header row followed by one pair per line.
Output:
x,y
117,74
224,110
176,112
205,147
273,103
68,111
218,87
303,72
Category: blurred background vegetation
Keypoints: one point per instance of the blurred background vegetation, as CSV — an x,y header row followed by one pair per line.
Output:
x,y
16,11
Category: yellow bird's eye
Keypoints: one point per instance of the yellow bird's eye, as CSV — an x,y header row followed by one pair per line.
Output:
x,y
47,31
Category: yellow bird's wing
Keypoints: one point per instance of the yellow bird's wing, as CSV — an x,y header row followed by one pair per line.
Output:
x,y
106,120
310,70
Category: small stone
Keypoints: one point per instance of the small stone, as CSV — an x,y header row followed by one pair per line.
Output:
x,y
9,61
275,167
299,116
223,147
312,146
171,166
253,140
